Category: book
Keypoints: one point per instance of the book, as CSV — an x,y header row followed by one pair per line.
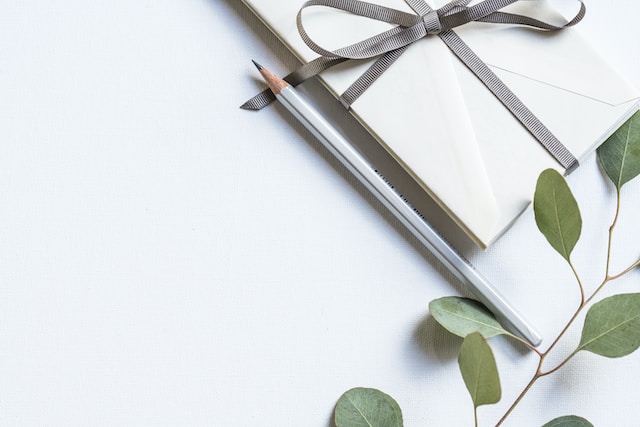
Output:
x,y
446,129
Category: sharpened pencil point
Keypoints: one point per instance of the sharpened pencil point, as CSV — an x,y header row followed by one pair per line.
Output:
x,y
258,66
276,84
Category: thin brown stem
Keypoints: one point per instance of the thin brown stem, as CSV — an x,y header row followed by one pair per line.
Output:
x,y
527,344
515,403
565,329
625,271
593,295
611,228
560,365
577,276
542,355
575,314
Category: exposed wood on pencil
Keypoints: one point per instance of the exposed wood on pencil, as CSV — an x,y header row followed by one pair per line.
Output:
x,y
276,84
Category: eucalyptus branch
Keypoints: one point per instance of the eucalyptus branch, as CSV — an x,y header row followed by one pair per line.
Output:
x,y
611,326
564,245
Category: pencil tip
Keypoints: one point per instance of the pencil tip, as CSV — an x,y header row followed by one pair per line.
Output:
x,y
258,66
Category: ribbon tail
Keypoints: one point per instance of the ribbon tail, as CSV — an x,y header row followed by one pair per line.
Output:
x,y
510,100
259,101
371,75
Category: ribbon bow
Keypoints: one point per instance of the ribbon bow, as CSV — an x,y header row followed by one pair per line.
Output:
x,y
408,28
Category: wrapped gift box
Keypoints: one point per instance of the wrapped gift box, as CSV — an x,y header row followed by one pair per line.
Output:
x,y
446,129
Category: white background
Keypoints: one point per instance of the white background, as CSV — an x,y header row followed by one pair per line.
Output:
x,y
168,259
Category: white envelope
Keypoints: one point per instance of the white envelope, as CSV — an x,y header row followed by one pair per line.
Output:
x,y
461,145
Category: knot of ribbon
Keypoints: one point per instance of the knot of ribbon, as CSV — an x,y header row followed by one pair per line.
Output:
x,y
431,22
409,28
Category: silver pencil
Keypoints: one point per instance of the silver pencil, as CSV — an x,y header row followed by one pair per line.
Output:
x,y
344,152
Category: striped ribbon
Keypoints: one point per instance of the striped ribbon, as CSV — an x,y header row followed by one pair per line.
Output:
x,y
408,28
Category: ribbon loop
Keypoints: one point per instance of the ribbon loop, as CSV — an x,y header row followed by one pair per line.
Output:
x,y
408,29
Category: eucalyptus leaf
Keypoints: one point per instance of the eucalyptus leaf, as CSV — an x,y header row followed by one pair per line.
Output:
x,y
557,213
619,155
479,370
612,326
367,407
568,421
462,316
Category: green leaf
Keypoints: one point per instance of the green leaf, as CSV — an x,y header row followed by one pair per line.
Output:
x,y
612,326
619,155
479,370
367,407
568,421
462,316
557,213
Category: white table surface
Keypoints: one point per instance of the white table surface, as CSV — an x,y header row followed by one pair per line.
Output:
x,y
168,259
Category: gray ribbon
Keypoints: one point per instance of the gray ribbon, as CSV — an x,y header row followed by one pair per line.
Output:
x,y
409,28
